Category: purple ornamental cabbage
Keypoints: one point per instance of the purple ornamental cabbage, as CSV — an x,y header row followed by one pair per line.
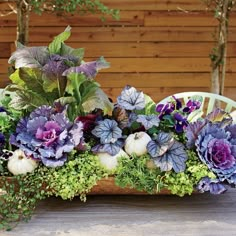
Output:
x,y
47,136
57,64
212,185
216,147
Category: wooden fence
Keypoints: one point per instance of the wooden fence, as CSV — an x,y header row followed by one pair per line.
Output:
x,y
159,46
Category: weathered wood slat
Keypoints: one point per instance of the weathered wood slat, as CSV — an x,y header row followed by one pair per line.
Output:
x,y
119,34
155,18
126,18
172,80
136,65
143,80
145,5
150,49
156,5
5,50
158,93
159,44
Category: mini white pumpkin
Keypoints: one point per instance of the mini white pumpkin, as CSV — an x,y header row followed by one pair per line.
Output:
x,y
137,143
110,162
20,164
233,114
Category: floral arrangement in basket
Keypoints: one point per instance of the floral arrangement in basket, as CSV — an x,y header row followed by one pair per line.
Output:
x,y
60,134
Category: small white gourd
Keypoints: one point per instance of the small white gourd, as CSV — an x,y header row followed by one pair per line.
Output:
x,y
20,164
137,143
110,162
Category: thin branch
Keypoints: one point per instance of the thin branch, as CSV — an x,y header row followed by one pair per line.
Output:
x,y
13,11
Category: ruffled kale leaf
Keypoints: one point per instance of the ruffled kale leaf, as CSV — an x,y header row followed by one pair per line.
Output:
x,y
219,116
210,185
56,44
97,100
108,131
90,69
192,132
131,99
31,57
217,149
87,95
47,136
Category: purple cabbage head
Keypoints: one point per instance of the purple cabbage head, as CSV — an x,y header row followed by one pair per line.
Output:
x,y
57,64
216,147
210,185
47,136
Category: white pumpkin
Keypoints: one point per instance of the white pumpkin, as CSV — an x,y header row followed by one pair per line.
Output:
x,y
137,143
18,163
233,114
110,162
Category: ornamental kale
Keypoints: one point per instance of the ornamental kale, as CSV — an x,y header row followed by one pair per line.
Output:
x,y
215,140
212,185
47,136
90,69
216,148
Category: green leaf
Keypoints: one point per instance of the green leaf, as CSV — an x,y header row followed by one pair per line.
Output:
x,y
27,100
32,78
150,106
98,100
55,45
75,81
15,78
67,50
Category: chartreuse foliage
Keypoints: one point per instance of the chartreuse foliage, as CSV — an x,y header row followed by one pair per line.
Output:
x,y
76,177
134,173
137,174
185,182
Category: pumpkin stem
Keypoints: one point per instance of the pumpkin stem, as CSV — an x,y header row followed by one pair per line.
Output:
x,y
136,136
20,157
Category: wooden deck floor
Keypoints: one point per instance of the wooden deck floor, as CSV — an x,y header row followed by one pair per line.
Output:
x,y
198,215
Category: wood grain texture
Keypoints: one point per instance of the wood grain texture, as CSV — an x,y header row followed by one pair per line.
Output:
x,y
119,34
201,214
161,46
144,5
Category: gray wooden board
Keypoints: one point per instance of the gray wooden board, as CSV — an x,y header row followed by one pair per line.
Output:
x,y
199,214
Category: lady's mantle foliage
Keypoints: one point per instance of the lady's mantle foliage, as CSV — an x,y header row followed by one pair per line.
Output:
x,y
47,136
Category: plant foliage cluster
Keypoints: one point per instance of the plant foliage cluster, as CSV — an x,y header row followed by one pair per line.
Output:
x,y
60,134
